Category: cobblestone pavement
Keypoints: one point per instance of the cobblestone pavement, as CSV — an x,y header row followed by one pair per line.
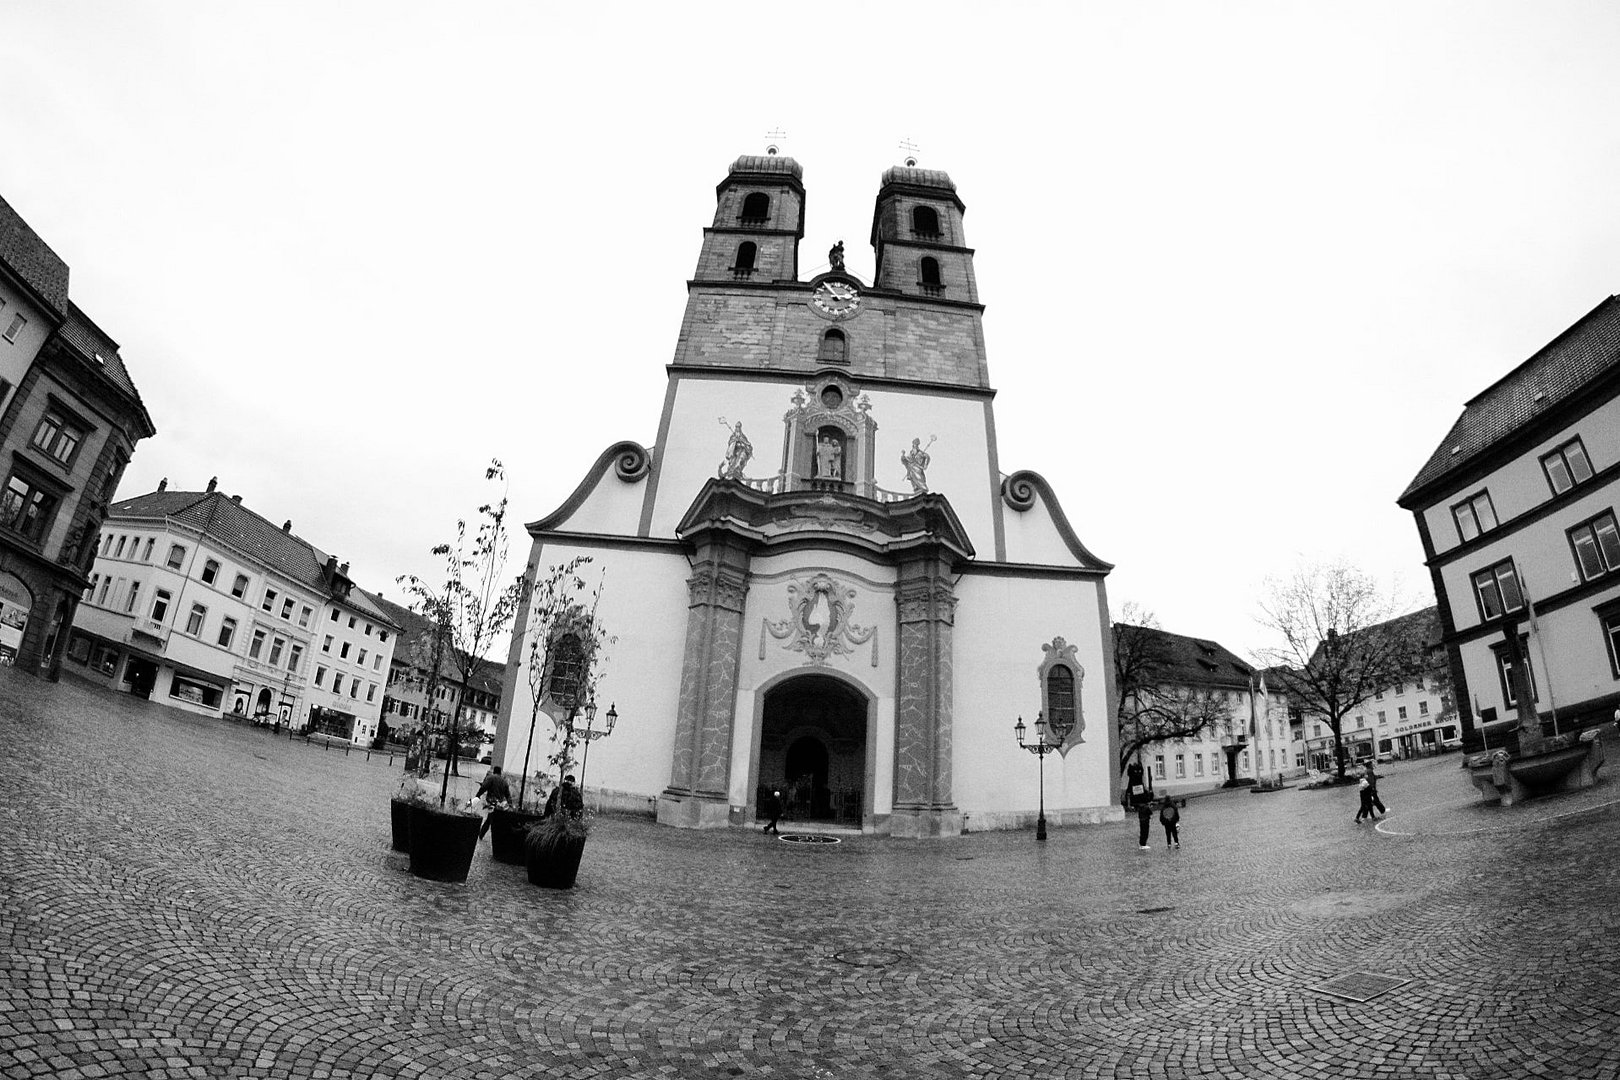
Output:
x,y
187,897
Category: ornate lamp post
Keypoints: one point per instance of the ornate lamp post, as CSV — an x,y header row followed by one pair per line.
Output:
x,y
1048,737
591,736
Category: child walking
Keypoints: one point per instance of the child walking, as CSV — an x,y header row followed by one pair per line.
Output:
x,y
1170,818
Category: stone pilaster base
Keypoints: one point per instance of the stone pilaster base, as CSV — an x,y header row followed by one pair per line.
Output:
x,y
920,824
686,811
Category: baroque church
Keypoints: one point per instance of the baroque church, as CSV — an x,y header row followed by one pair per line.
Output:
x,y
820,579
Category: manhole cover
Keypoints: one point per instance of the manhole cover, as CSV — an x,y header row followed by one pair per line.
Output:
x,y
1359,985
807,838
869,957
1153,910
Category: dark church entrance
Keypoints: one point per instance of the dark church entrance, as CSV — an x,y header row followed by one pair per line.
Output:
x,y
812,748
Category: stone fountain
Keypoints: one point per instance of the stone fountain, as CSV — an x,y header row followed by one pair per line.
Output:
x,y
1540,763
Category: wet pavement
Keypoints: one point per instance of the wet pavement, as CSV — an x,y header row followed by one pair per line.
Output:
x,y
189,897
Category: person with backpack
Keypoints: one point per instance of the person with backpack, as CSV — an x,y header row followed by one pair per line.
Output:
x,y
1170,818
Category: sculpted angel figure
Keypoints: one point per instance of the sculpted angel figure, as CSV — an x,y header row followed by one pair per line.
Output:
x,y
738,451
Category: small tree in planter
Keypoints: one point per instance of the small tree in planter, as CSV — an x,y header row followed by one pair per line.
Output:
x,y
474,607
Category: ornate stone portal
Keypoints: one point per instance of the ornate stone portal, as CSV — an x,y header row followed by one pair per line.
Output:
x,y
820,621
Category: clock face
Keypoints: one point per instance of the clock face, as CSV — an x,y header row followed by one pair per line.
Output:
x,y
837,299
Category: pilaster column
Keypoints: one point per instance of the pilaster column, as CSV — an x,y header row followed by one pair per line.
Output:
x,y
700,766
926,597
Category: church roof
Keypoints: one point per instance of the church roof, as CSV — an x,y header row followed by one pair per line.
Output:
x,y
1514,403
908,174
767,163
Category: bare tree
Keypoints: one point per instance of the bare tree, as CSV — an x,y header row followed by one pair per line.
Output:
x,y
1152,706
477,601
561,673
1340,642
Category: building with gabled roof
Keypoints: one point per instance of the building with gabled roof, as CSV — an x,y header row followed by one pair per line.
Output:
x,y
70,417
199,601
1516,511
416,700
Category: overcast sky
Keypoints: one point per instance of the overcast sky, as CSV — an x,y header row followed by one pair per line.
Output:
x,y
1243,262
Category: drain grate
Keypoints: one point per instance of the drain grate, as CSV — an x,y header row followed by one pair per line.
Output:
x,y
869,957
807,838
1359,985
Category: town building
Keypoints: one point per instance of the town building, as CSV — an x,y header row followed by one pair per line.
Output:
x,y
820,576
1244,735
70,417
204,604
1516,512
414,701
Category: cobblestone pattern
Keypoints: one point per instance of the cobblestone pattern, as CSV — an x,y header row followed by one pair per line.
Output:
x,y
186,897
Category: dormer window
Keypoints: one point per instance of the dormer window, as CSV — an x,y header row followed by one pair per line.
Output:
x,y
747,252
924,223
834,348
928,276
756,208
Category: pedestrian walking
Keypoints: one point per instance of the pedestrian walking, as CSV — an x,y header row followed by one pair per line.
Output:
x,y
773,810
495,791
1363,789
1144,821
1373,801
1170,818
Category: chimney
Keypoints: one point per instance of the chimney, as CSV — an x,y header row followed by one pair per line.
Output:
x,y
163,484
344,569
331,566
286,526
237,499
213,482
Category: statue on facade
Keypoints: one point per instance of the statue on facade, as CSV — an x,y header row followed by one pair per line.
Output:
x,y
836,256
738,451
828,455
915,462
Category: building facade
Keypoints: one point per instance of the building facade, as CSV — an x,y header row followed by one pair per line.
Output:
x,y
820,576
198,602
70,417
415,701
1516,511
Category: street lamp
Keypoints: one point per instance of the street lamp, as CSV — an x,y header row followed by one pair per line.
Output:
x,y
1048,737
591,736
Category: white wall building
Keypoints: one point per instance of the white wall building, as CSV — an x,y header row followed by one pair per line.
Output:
x,y
200,602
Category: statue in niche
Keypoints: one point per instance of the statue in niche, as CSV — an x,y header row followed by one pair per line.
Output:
x,y
836,256
829,465
738,451
915,462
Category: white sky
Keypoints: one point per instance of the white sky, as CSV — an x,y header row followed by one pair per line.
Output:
x,y
1243,262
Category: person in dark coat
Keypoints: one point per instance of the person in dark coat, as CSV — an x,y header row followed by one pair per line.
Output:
x,y
495,791
1170,818
1144,820
567,797
1373,801
773,810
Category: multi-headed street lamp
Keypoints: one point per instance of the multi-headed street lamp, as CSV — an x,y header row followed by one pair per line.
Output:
x,y
590,735
1048,737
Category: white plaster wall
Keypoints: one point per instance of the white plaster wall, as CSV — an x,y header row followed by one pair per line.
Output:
x,y
1570,660
960,465
644,608
613,507
1001,624
1521,484
16,356
1032,537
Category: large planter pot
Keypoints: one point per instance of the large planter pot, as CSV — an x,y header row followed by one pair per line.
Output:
x,y
399,817
553,862
506,834
442,843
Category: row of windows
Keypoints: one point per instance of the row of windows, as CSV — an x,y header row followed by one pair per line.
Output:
x,y
101,589
121,546
338,684
1564,467
1198,764
1594,545
343,652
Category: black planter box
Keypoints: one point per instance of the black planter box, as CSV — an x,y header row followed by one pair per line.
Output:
x,y
507,841
553,862
399,817
442,843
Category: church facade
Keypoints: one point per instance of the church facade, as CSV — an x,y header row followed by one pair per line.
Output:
x,y
819,578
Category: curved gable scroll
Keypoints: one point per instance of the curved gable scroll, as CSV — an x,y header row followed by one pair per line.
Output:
x,y
1020,491
631,463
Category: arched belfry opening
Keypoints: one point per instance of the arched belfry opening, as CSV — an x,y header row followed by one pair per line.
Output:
x,y
813,749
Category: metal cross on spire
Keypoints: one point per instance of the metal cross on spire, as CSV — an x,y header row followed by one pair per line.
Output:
x,y
773,139
910,149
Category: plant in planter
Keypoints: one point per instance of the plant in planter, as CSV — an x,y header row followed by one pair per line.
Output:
x,y
554,848
471,610
399,810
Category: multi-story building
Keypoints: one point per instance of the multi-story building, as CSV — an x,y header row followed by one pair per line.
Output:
x,y
70,417
414,700
1250,734
196,598
1516,511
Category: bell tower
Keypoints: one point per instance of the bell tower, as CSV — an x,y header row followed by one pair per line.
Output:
x,y
917,237
758,223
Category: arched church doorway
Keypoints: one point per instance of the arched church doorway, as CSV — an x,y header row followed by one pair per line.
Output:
x,y
812,748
